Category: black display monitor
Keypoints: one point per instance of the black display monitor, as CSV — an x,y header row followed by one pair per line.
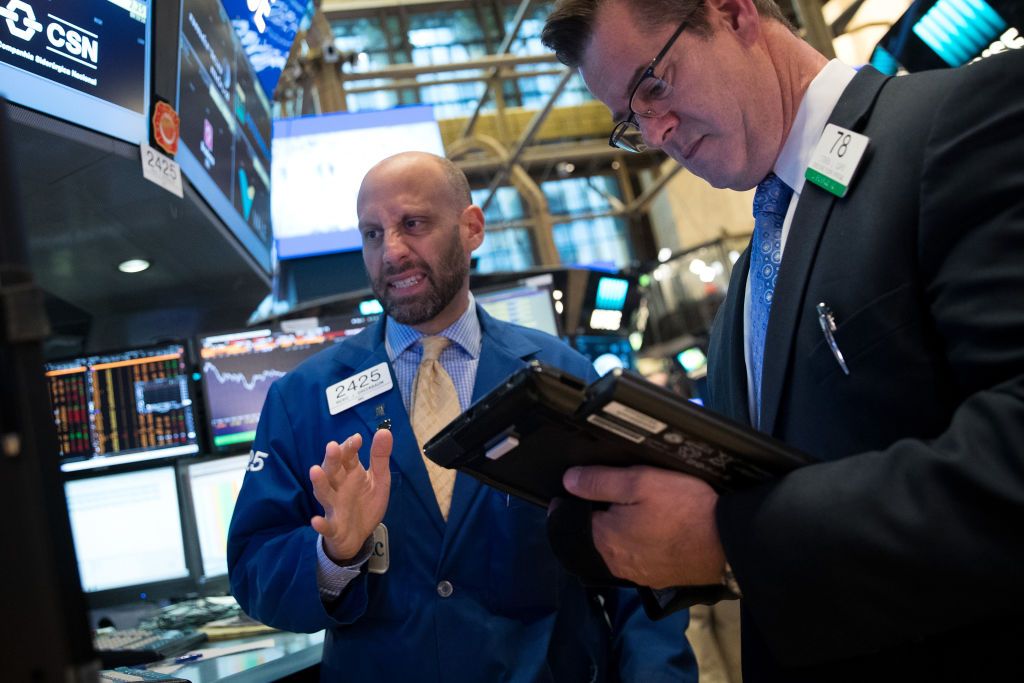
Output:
x,y
527,302
44,628
239,367
606,353
225,126
121,407
127,531
84,61
210,488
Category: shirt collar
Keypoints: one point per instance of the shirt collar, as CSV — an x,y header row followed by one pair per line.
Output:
x,y
464,332
820,99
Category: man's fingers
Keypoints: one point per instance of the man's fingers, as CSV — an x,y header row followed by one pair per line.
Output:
x,y
604,484
322,526
342,457
322,489
350,452
380,454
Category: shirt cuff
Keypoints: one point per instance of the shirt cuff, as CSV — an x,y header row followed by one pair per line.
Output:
x,y
730,582
332,578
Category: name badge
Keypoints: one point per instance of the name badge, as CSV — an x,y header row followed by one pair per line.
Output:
x,y
836,159
380,556
358,388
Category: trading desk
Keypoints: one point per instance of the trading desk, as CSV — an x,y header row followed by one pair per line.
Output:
x,y
291,653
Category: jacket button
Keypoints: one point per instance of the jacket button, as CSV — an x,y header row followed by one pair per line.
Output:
x,y
445,589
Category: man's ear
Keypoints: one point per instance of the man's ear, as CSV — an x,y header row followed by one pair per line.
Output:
x,y
471,223
739,16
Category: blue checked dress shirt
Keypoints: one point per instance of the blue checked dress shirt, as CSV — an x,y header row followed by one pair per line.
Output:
x,y
459,359
771,200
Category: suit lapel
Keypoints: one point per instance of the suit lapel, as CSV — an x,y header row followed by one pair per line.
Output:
x,y
502,352
726,362
805,233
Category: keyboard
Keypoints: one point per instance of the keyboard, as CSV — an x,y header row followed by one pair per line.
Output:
x,y
124,674
126,647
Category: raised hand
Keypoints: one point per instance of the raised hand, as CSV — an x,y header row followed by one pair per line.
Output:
x,y
354,499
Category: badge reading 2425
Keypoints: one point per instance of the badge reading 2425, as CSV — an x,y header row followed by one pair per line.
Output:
x,y
358,388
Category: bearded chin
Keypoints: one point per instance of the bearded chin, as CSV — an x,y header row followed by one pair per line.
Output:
x,y
445,281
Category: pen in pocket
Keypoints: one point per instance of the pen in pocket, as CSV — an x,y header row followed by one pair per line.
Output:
x,y
828,327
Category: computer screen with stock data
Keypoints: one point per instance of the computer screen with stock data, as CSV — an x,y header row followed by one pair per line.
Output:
x,y
123,406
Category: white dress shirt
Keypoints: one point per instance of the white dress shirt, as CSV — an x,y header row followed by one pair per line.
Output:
x,y
820,99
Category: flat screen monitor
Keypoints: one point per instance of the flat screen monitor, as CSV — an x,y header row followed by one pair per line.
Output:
x,y
934,34
267,29
211,488
225,126
319,162
239,367
606,352
127,534
122,407
84,61
527,302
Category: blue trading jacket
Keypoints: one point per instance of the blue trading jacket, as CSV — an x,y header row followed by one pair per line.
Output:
x,y
513,614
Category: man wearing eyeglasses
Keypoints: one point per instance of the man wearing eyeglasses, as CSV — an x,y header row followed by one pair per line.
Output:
x,y
875,323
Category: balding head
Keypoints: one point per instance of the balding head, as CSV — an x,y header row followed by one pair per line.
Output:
x,y
416,164
418,228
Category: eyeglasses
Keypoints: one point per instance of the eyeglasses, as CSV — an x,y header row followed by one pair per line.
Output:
x,y
648,99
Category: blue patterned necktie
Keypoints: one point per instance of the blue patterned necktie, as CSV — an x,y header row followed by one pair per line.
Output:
x,y
770,203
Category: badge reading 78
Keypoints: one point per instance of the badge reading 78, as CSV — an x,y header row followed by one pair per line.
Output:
x,y
358,388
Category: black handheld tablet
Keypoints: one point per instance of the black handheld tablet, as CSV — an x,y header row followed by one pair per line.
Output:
x,y
524,435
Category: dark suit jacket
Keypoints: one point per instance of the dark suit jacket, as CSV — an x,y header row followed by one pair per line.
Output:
x,y
901,555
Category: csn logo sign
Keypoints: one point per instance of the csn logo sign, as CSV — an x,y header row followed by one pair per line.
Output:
x,y
64,38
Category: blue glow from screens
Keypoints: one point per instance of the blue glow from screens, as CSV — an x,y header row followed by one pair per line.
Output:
x,y
225,126
319,163
958,30
370,307
611,293
691,359
522,303
84,62
882,60
266,29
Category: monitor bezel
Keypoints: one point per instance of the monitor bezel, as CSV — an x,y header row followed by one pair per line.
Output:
x,y
203,585
275,329
104,462
542,281
156,592
79,108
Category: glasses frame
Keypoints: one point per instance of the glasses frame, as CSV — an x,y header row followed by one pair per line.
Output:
x,y
618,137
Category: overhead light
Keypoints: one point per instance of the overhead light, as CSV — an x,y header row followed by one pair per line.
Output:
x,y
133,265
664,254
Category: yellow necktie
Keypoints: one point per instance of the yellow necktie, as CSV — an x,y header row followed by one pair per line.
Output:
x,y
434,404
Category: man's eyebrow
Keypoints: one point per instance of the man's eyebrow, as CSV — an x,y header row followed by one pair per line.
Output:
x,y
637,75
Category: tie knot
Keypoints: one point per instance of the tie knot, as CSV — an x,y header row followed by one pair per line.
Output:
x,y
772,196
432,347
